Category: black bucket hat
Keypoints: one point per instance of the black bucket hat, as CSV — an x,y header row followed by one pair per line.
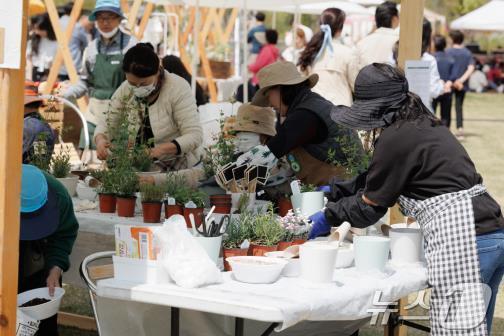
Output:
x,y
380,92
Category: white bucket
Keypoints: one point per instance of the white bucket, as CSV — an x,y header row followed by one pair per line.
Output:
x,y
211,245
317,261
371,253
308,202
405,244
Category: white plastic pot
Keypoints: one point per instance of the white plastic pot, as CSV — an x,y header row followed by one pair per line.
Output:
x,y
371,253
318,259
70,184
258,270
293,267
405,244
41,311
211,245
86,193
345,255
235,200
308,202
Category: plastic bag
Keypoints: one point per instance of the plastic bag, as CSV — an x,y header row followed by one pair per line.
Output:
x,y
26,326
183,258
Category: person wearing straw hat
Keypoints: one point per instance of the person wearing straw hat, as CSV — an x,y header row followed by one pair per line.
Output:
x,y
101,73
306,135
254,126
35,130
419,163
47,234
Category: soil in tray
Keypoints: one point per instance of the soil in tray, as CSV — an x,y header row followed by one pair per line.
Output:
x,y
34,302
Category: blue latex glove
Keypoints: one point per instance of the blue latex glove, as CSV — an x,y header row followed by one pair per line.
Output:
x,y
325,189
320,227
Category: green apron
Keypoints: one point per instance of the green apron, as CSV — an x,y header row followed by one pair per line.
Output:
x,y
106,77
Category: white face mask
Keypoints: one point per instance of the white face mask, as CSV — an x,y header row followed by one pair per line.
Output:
x,y
245,141
143,91
110,34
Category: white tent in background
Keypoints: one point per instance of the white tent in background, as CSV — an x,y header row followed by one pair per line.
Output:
x,y
489,17
317,7
264,5
367,2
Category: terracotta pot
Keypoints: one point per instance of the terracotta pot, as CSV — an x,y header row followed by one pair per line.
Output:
x,y
298,241
284,205
223,209
126,206
283,245
171,210
107,203
220,198
198,216
152,212
232,253
260,250
221,203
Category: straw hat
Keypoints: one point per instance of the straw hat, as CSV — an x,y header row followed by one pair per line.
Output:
x,y
255,119
279,73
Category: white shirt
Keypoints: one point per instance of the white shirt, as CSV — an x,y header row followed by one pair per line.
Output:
x,y
436,83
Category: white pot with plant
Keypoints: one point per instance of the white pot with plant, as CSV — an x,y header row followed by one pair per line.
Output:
x,y
61,168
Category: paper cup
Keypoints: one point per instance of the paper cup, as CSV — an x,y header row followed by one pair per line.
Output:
x,y
211,245
405,244
317,261
371,253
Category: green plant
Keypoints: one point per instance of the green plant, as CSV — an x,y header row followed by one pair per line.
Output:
x,y
221,153
238,230
107,180
98,174
60,164
308,188
198,197
356,159
141,159
151,193
176,186
126,183
243,202
40,155
267,229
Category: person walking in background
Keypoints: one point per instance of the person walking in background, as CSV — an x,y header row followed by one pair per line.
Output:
x,y
259,27
437,86
174,65
378,46
445,64
269,53
332,61
41,49
463,68
293,51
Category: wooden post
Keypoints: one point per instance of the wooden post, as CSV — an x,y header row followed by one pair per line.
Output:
x,y
133,14
145,19
410,48
11,140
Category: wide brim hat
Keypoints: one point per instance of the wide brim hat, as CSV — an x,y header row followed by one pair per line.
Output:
x,y
380,92
106,6
39,205
256,119
31,93
279,73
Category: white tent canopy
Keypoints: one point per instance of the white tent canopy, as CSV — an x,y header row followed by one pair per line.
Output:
x,y
265,5
316,8
489,17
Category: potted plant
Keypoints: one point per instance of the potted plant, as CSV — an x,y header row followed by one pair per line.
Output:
x,y
152,201
197,198
60,169
40,156
106,190
127,185
177,194
267,233
284,205
236,232
296,230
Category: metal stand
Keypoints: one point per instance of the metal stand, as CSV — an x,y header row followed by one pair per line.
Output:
x,y
175,321
395,320
239,326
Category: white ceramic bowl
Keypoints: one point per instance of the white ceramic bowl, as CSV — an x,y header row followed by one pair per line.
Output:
x,y
257,270
293,267
42,311
86,193
345,255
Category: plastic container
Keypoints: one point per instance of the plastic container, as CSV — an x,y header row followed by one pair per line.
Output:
x,y
86,193
371,253
405,244
138,270
345,255
309,202
257,270
293,267
41,311
318,260
211,245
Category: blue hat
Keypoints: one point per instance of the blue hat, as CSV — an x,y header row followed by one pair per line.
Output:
x,y
106,6
39,205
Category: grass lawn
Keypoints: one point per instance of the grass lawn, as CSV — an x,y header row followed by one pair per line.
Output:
x,y
484,122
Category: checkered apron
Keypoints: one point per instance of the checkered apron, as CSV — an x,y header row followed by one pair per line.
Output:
x,y
457,305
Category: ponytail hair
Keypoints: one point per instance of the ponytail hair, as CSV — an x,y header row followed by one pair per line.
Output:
x,y
334,18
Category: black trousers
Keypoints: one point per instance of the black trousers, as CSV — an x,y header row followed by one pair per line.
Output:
x,y
459,110
445,102
47,327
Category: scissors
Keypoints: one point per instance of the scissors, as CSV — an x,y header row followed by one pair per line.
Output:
x,y
213,229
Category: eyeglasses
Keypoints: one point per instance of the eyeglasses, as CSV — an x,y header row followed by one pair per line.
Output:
x,y
106,18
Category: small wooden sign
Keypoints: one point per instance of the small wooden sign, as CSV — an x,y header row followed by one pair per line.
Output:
x,y
2,39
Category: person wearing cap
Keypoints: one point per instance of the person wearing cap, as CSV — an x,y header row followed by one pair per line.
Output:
x,y
306,136
418,163
101,73
254,126
35,130
164,116
47,234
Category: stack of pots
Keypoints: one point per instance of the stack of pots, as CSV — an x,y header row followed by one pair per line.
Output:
x,y
222,203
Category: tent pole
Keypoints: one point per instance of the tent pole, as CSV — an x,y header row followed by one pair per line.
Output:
x,y
274,20
195,59
245,53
